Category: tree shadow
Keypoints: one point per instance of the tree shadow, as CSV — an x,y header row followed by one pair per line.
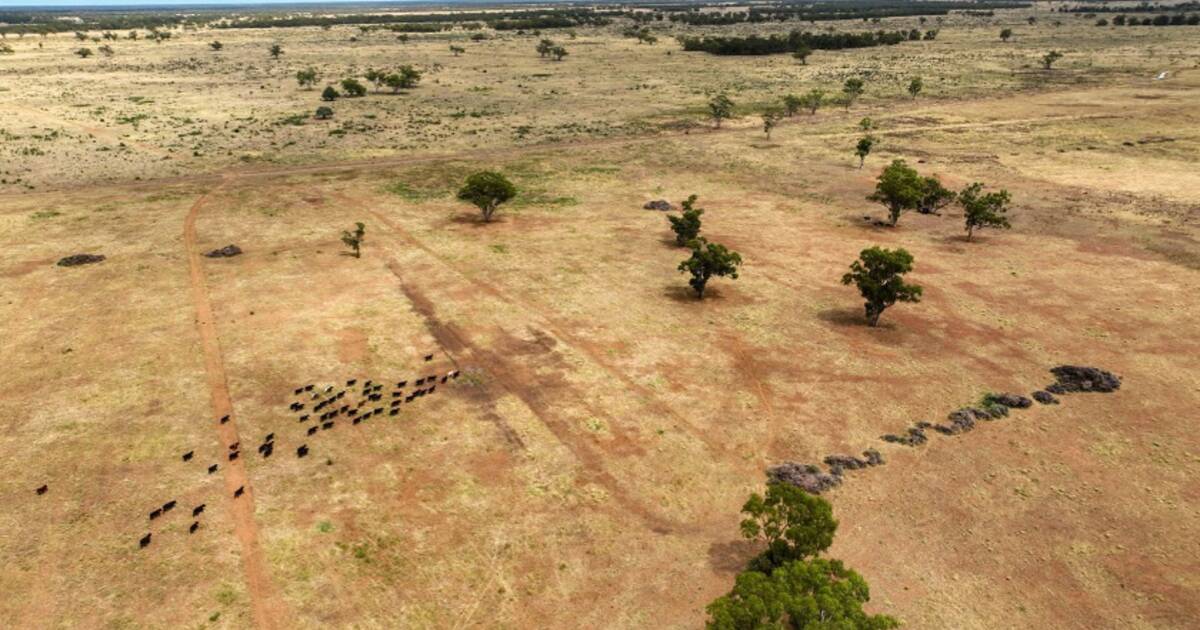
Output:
x,y
684,294
474,219
733,556
850,318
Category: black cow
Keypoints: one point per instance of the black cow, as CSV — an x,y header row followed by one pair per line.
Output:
x,y
308,388
312,430
394,412
224,419
234,446
194,527
144,542
420,381
187,457
198,510
168,506
212,469
267,453
357,420
233,456
302,451
298,391
432,388
270,437
445,378
402,384
429,357
239,492
351,382
327,426
155,514
42,490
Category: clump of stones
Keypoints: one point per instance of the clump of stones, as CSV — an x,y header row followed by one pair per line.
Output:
x,y
1069,379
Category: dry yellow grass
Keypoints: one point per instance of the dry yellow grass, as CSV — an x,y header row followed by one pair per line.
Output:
x,y
587,469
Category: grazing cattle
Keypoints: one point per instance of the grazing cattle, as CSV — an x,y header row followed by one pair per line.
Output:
x,y
402,384
144,542
356,420
377,410
312,430
267,452
445,378
315,397
394,412
239,492
42,490
298,391
395,403
194,527
308,388
212,469
429,357
454,374
303,419
168,506
270,437
432,388
198,510
224,419
352,413
234,446
329,389
233,456
187,457
351,382
326,426
420,381
155,514
408,398
344,408
302,451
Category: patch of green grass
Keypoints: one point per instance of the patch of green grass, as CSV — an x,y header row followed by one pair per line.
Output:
x,y
499,248
226,595
407,192
42,215
325,527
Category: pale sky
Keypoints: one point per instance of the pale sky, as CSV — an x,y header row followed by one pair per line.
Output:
x,y
4,4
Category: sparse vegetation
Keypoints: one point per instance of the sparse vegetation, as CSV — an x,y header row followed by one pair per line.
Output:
x,y
708,260
354,240
983,210
720,107
686,226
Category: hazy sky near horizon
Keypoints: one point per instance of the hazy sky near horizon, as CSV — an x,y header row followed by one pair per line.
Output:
x,y
141,3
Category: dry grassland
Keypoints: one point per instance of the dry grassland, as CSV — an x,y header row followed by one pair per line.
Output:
x,y
587,469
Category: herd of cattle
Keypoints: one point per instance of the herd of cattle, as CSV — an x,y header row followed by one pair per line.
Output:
x,y
317,409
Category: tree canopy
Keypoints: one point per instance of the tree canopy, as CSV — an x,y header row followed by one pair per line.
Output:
x,y
879,275
487,190
899,188
983,210
794,524
708,260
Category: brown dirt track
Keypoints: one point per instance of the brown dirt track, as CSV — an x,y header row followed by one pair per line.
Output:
x,y
588,468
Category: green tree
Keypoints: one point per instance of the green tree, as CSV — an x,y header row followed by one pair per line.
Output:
x,y
851,90
686,226
983,210
487,190
899,188
915,86
720,108
457,50
794,525
1049,58
354,239
106,50
544,47
1006,34
934,196
816,594
376,77
275,51
863,148
812,100
770,119
330,93
879,275
307,78
324,112
216,45
792,104
351,87
866,124
708,260
558,52
802,53
84,53
407,78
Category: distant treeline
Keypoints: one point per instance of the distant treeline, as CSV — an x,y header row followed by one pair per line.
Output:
x,y
31,22
774,44
508,20
1144,7
1178,19
825,11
